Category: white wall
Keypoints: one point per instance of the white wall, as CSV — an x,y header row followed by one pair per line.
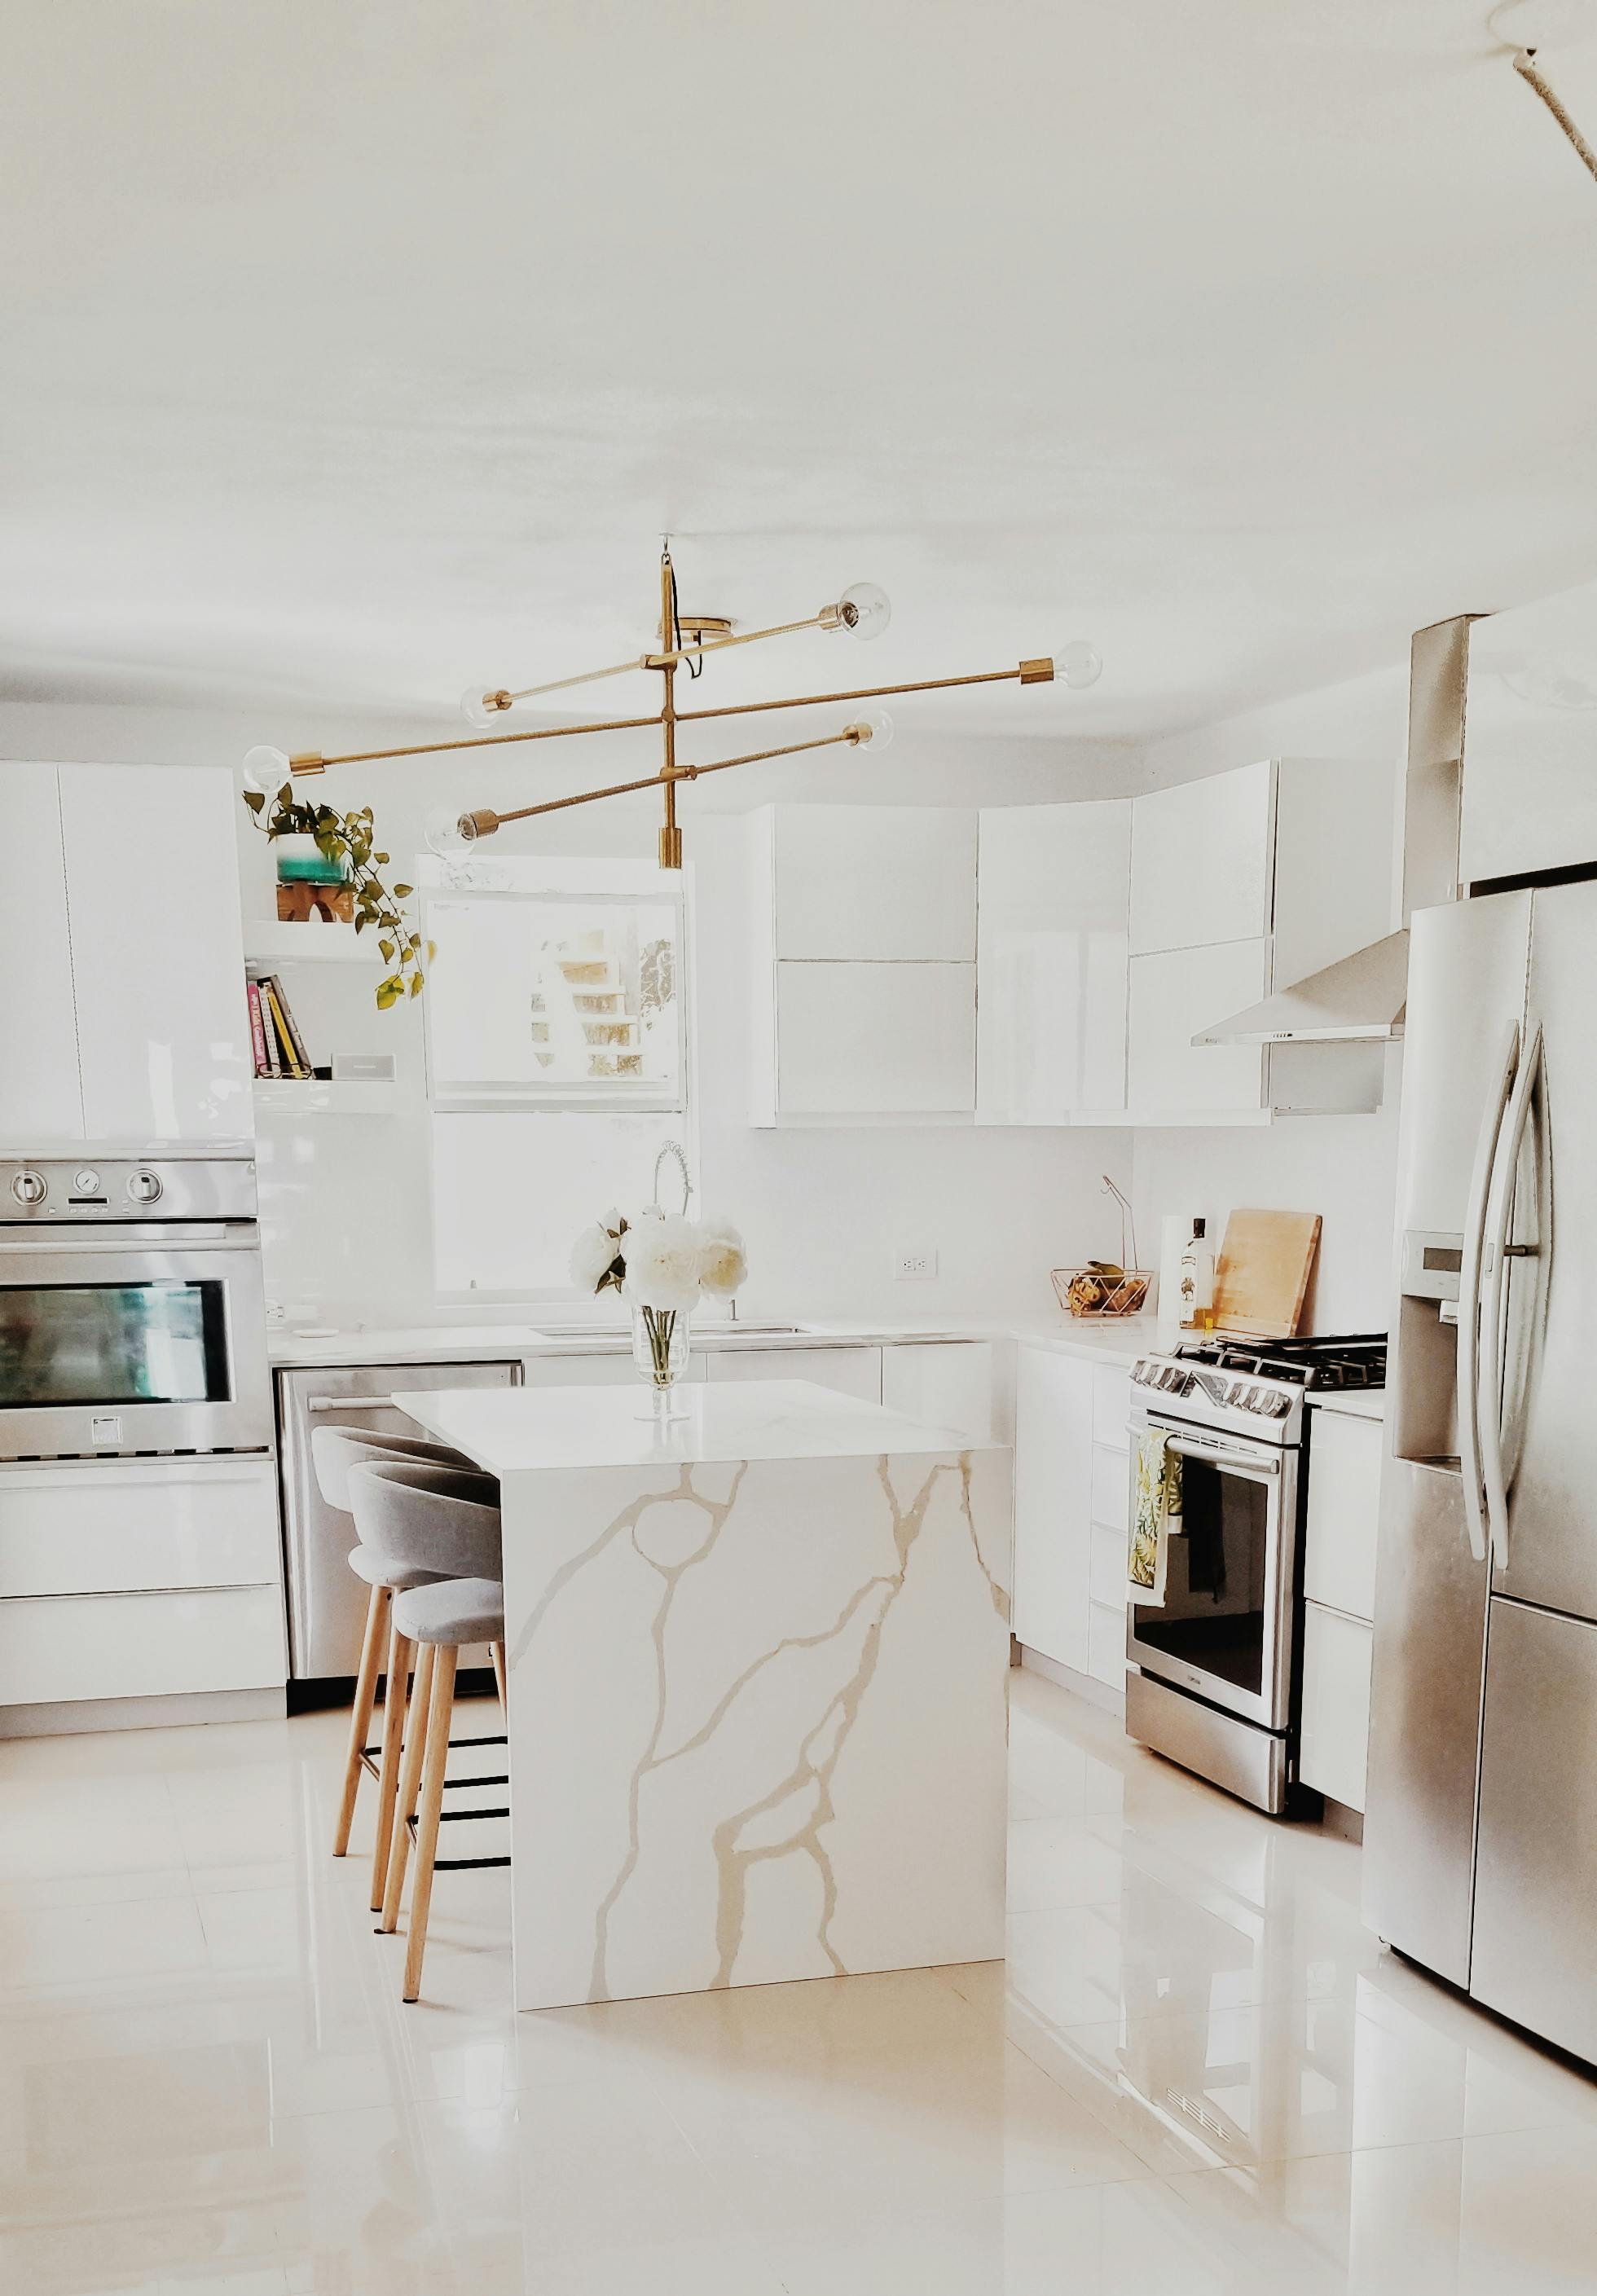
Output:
x,y
345,1200
1342,1166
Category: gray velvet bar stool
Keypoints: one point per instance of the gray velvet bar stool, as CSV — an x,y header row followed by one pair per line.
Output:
x,y
334,1452
406,1513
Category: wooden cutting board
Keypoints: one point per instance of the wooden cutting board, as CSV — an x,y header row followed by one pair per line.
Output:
x,y
1262,1274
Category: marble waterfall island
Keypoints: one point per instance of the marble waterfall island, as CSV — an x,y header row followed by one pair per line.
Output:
x,y
758,1663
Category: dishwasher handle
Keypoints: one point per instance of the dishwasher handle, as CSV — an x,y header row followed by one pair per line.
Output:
x,y
351,1403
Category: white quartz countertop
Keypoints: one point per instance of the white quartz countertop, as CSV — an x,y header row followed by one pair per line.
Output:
x,y
523,1429
511,1342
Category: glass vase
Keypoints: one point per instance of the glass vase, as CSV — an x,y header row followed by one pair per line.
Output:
x,y
660,1348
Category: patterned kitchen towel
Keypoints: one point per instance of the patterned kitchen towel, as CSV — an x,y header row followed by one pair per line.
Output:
x,y
1158,1517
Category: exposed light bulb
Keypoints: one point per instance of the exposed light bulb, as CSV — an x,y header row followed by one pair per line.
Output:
x,y
864,610
266,769
871,729
445,831
483,707
1078,664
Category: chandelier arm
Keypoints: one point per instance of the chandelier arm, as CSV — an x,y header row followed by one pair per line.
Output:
x,y
583,677
1028,673
313,764
676,773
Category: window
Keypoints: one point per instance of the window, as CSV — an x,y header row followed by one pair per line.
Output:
x,y
557,1055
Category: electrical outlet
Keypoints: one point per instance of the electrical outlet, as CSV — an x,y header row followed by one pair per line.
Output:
x,y
914,1262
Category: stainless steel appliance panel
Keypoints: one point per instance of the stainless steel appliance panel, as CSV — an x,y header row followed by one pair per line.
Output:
x,y
86,1364
1546,1520
1536,1891
1224,1629
327,1603
1468,966
1246,1761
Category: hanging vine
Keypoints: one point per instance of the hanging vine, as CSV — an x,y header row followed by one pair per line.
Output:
x,y
348,838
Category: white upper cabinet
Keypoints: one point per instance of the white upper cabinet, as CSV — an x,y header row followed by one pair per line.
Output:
x,y
1054,885
1530,795
877,883
1201,861
1242,884
1174,993
127,886
41,1096
876,1040
865,943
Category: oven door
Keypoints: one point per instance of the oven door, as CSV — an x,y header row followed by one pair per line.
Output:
x,y
151,1339
1224,1629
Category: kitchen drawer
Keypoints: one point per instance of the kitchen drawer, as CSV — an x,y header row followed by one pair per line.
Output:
x,y
75,1646
1112,1406
1106,1642
1336,1704
851,1371
1344,1509
1111,1489
1106,1570
93,1526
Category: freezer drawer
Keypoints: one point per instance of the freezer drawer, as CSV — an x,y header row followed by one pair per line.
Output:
x,y
1536,1882
327,1603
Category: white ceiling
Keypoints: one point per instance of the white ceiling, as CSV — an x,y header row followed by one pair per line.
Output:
x,y
350,352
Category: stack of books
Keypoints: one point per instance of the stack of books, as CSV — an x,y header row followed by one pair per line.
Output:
x,y
279,1047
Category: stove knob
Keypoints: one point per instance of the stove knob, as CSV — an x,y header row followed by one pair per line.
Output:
x,y
144,1187
30,1187
1277,1405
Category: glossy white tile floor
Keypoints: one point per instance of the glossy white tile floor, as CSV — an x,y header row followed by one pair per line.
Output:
x,y
1200,2076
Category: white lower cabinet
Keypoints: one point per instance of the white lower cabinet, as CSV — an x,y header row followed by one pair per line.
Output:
x,y
850,1371
1070,1511
124,1526
65,1647
1336,1703
139,1579
946,1383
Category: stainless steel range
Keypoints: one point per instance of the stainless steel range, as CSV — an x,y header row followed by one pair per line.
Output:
x,y
1218,1661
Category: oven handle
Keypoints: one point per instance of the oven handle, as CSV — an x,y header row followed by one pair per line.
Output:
x,y
173,1235
1235,1462
351,1403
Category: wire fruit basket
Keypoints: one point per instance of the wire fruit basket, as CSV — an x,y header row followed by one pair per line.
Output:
x,y
1106,1287
1100,1289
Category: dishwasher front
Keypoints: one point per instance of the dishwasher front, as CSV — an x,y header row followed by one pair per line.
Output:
x,y
326,1602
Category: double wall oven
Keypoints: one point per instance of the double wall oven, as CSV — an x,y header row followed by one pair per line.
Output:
x,y
1218,1657
132,1316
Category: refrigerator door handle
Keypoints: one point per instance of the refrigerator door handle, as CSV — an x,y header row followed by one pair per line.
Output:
x,y
1471,1465
1500,1212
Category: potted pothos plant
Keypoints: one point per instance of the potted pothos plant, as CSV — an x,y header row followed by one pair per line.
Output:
x,y
349,838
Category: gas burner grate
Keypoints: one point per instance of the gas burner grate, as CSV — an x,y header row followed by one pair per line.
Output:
x,y
1332,1364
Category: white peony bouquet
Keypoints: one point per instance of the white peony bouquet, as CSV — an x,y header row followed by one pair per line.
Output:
x,y
659,1263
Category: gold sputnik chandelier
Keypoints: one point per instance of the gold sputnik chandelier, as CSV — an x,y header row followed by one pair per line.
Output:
x,y
684,641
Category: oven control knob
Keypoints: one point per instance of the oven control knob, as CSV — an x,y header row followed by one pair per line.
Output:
x,y
144,1187
30,1187
1277,1405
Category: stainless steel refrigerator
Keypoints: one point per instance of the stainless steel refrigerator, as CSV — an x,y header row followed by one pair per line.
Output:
x,y
1480,1829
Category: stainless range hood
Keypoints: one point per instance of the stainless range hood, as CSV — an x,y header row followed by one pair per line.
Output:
x,y
1358,999
1361,997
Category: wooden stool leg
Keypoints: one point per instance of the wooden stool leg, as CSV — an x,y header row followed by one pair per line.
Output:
x,y
427,1816
498,1652
360,1721
400,1651
410,1779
